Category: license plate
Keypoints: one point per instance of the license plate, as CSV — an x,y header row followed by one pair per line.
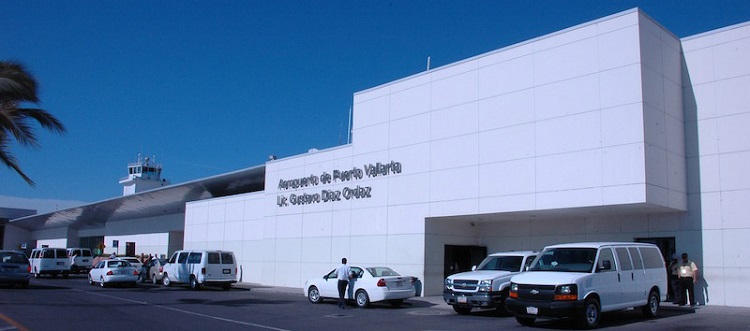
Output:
x,y
85,260
462,299
532,310
399,283
60,263
226,271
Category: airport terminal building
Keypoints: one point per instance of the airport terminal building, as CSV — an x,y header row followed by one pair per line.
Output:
x,y
612,130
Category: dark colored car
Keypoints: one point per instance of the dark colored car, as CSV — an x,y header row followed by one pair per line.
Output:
x,y
14,268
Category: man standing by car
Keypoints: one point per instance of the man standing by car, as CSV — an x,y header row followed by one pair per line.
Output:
x,y
342,273
688,277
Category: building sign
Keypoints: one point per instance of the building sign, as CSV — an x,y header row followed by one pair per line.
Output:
x,y
336,176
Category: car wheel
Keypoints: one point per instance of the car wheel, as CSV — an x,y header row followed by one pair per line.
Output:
x,y
362,299
462,310
194,285
313,294
101,282
525,321
153,279
651,309
165,281
592,313
501,310
91,281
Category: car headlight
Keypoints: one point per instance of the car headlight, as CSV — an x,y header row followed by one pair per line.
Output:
x,y
449,284
485,285
566,292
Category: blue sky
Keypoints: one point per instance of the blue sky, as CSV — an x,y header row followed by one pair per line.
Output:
x,y
216,86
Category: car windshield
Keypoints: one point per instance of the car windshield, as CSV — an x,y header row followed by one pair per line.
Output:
x,y
507,263
565,260
382,271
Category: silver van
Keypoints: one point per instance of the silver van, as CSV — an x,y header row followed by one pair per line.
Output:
x,y
201,267
583,280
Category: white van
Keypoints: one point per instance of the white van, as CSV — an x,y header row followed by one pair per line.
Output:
x,y
49,261
81,260
582,280
199,268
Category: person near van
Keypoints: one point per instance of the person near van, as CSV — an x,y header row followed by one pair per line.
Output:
x,y
674,279
342,272
688,273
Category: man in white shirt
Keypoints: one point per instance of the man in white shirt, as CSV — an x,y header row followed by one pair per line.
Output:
x,y
688,273
343,276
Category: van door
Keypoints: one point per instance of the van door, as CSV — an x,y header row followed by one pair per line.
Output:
x,y
640,293
182,268
193,266
627,276
606,280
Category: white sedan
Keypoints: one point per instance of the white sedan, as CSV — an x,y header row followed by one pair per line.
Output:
x,y
113,271
370,284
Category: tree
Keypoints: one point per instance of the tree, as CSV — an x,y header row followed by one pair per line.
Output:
x,y
18,86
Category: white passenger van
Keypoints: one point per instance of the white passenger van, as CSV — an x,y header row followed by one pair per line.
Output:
x,y
81,260
49,261
582,280
198,268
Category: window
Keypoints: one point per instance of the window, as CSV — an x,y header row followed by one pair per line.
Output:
x,y
182,258
565,260
173,259
637,261
623,258
194,258
652,258
605,254
227,258
506,263
48,254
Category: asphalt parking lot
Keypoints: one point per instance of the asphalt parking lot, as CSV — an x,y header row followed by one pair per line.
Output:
x,y
67,304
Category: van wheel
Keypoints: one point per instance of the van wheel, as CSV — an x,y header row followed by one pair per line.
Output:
x,y
227,287
592,313
525,321
65,275
462,310
194,285
362,299
651,309
165,281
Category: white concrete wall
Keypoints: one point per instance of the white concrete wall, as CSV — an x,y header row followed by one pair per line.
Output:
x,y
717,81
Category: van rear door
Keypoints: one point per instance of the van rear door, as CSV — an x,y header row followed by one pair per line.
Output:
x,y
221,266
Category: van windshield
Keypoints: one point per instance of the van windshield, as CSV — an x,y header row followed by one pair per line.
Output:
x,y
565,260
506,263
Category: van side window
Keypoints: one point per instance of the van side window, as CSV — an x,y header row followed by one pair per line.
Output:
x,y
182,258
652,258
173,259
637,261
227,258
194,257
623,258
86,252
48,254
605,258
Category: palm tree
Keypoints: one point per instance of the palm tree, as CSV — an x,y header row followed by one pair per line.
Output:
x,y
16,87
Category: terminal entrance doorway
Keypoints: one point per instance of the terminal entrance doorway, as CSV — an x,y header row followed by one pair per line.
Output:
x,y
462,258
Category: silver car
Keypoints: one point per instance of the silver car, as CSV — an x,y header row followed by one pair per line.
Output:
x,y
14,268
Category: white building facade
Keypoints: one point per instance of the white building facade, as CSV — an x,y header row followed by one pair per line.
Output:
x,y
613,130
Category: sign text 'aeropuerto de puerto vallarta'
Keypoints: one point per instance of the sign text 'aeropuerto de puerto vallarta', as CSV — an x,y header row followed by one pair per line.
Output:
x,y
336,176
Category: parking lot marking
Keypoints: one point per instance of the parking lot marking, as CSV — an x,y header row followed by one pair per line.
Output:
x,y
185,311
16,325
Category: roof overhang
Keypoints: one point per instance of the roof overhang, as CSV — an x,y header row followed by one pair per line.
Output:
x,y
152,203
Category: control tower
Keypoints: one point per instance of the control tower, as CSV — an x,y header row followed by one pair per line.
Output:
x,y
143,175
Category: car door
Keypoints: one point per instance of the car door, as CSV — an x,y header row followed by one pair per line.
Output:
x,y
329,285
356,273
